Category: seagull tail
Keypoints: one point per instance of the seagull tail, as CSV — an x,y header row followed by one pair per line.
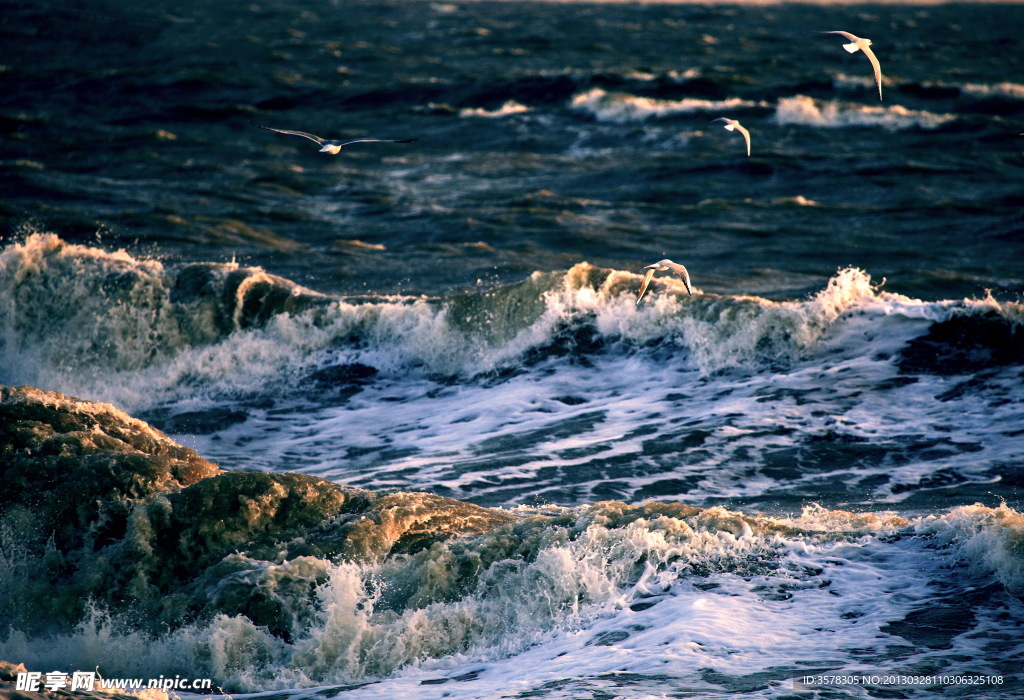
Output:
x,y
852,48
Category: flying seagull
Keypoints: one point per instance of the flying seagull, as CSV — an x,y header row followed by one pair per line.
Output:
x,y
661,266
731,124
332,147
863,45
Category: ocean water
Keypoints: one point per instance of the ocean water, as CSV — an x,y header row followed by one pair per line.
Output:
x,y
811,465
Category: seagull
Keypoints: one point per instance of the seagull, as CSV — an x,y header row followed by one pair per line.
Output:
x,y
731,124
332,147
863,45
661,266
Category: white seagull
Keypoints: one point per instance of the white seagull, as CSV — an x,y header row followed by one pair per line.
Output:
x,y
863,45
732,124
332,147
661,266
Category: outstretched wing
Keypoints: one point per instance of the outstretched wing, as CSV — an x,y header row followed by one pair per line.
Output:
x,y
303,134
849,37
349,143
643,285
681,271
746,137
878,68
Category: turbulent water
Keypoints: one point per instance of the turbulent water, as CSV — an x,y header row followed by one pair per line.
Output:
x,y
828,434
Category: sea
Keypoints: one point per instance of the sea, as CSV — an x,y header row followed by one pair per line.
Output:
x,y
803,480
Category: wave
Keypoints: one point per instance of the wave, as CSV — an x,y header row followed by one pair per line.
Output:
x,y
509,108
806,111
989,540
70,310
114,327
622,108
843,81
1007,90
263,581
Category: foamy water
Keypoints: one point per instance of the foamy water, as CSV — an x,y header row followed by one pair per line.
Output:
x,y
714,602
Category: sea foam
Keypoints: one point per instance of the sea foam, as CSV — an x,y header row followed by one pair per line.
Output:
x,y
113,327
622,108
989,540
509,108
806,111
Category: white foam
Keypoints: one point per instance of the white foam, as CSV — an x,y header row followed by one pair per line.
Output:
x,y
104,325
843,81
156,359
733,596
509,108
990,540
555,430
140,345
806,111
554,426
621,108
1012,90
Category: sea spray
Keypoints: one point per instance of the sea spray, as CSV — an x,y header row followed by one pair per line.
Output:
x,y
264,581
987,540
801,110
621,108
77,314
303,340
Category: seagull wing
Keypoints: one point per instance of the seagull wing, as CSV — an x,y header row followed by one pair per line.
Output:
x,y
746,137
874,64
643,285
349,143
311,137
681,271
850,37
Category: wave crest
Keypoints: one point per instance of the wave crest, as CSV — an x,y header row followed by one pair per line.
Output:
x,y
807,111
137,332
622,108
71,314
988,540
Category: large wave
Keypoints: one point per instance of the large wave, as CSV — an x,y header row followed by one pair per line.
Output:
x,y
263,581
114,327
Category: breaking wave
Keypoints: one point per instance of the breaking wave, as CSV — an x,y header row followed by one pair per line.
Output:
x,y
509,108
622,108
168,565
806,111
1011,90
111,326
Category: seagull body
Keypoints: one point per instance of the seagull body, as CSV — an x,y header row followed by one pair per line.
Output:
x,y
332,147
661,266
858,44
733,125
